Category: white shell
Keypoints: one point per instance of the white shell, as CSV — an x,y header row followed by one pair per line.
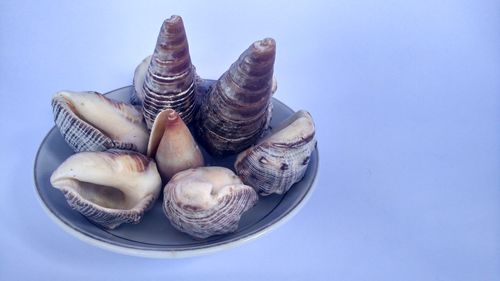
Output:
x,y
278,161
172,145
207,201
109,188
89,121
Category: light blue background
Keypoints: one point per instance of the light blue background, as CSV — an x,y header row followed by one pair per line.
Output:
x,y
405,94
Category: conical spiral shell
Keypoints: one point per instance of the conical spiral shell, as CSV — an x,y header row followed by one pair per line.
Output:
x,y
172,145
278,161
207,201
110,187
170,79
236,111
89,121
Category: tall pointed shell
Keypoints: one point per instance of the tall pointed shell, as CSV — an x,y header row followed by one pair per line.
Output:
x,y
172,145
207,201
89,121
109,188
170,79
202,86
278,161
236,111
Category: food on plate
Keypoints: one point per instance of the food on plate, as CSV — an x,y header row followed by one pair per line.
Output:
x,y
169,81
109,187
172,145
127,152
207,201
280,159
90,121
237,110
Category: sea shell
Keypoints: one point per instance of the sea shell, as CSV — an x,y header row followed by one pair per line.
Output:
x,y
279,160
235,113
172,145
110,187
89,121
170,79
137,95
207,201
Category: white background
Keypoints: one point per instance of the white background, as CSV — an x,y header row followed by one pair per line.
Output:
x,y
405,95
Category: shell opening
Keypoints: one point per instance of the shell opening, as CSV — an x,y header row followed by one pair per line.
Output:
x,y
120,122
102,195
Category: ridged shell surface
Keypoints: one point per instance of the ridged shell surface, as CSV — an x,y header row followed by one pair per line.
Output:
x,y
89,121
278,161
137,95
170,79
234,114
110,187
207,201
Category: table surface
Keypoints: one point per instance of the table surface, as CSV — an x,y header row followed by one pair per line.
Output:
x,y
405,95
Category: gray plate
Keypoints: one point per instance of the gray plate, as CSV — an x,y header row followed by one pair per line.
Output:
x,y
154,236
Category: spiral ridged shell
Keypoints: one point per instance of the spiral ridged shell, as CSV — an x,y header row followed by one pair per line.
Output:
x,y
278,161
207,201
89,121
170,79
234,114
110,187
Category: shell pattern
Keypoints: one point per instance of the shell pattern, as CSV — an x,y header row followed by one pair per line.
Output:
x,y
237,110
172,145
278,161
110,187
89,121
170,79
207,201
111,182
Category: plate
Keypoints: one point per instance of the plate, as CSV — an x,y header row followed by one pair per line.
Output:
x,y
154,236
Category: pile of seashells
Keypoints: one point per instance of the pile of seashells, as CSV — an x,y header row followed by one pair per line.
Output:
x,y
126,153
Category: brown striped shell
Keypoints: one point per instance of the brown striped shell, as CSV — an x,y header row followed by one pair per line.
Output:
x,y
89,121
170,79
207,201
110,187
237,110
278,161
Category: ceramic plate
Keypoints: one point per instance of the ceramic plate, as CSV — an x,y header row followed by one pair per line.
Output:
x,y
154,236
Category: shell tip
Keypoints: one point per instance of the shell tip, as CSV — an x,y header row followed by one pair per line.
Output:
x,y
173,24
265,44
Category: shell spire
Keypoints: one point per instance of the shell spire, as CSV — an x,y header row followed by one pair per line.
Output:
x,y
170,79
237,110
